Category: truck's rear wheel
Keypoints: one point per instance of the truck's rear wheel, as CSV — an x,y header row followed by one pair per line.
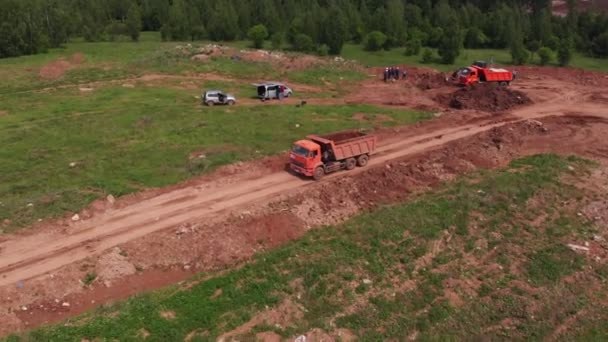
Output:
x,y
503,84
319,173
362,160
351,163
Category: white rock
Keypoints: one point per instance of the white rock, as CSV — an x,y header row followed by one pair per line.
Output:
x,y
65,304
76,217
24,308
111,199
367,281
72,164
30,205
577,248
598,238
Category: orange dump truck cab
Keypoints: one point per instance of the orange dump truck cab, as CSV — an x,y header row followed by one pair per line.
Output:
x,y
320,155
477,74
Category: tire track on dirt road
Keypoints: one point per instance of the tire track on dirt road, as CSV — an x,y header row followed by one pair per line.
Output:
x,y
24,257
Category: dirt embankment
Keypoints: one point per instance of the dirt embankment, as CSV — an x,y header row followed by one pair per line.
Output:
x,y
485,97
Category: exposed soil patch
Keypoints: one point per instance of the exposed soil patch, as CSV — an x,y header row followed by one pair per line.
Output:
x,y
285,314
3,113
58,68
486,97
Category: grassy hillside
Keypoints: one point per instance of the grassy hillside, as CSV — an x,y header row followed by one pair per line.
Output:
x,y
483,258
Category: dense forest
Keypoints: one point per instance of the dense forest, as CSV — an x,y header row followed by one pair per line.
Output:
x,y
322,26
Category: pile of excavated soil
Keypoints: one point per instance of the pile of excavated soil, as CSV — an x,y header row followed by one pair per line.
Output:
x,y
486,97
429,80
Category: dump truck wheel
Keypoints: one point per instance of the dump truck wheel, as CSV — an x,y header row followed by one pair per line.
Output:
x,y
503,84
351,163
362,161
210,103
319,173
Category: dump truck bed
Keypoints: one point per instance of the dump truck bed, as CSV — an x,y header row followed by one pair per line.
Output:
x,y
348,144
497,75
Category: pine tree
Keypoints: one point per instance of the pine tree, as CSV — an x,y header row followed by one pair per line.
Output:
x,y
451,42
223,24
335,30
177,25
134,21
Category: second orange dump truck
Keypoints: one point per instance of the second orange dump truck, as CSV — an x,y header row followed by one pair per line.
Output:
x,y
479,72
319,155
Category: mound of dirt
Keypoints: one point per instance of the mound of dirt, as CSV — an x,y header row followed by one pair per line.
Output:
x,y
486,97
429,80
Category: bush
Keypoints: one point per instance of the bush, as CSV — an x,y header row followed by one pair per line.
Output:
x,y
277,40
323,50
303,43
413,47
546,55
599,45
375,41
564,53
257,34
519,54
552,43
427,56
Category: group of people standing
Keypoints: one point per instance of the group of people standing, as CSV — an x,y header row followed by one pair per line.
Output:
x,y
394,74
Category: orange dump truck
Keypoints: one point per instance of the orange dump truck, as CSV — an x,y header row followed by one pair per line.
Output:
x,y
479,72
319,155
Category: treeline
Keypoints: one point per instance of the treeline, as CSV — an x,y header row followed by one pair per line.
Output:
x,y
525,27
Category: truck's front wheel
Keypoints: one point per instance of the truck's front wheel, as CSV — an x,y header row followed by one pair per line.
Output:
x,y
351,163
319,173
363,160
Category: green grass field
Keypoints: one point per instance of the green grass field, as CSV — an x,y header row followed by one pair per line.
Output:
x,y
509,275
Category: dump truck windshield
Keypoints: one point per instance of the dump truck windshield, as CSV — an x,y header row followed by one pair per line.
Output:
x,y
299,150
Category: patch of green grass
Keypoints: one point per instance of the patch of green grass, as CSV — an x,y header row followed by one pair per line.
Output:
x,y
321,75
89,278
327,261
552,264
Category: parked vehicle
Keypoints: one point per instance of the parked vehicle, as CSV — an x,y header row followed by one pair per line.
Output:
x,y
479,72
273,90
320,155
217,97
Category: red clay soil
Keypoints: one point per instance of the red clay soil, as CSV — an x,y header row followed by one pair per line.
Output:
x,y
486,97
58,68
428,80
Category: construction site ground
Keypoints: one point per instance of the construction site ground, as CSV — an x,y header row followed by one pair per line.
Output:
x,y
60,268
